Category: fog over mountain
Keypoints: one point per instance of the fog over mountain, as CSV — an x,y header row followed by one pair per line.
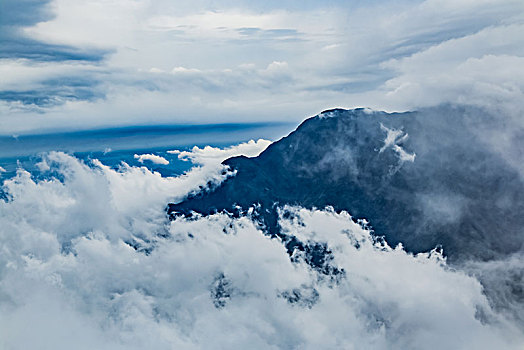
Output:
x,y
90,260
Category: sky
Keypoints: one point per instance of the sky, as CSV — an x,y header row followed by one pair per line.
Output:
x,y
71,64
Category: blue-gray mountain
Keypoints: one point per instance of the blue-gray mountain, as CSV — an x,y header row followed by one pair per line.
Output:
x,y
424,179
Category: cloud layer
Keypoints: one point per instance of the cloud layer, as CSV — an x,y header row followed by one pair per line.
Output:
x,y
152,62
84,268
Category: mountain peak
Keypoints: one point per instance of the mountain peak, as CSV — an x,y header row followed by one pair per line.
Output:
x,y
422,179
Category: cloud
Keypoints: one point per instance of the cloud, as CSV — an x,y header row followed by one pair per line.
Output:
x,y
184,70
15,16
57,69
208,160
105,268
214,155
393,138
208,62
153,158
486,74
270,34
24,12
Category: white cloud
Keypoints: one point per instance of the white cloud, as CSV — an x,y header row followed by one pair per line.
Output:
x,y
277,66
214,155
67,273
153,158
184,70
393,138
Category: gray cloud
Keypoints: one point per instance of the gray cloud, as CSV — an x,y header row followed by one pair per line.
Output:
x,y
16,46
16,15
19,13
53,93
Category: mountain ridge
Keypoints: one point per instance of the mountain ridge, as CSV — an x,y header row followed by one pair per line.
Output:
x,y
422,178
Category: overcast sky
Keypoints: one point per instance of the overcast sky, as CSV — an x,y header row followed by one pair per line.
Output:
x,y
75,64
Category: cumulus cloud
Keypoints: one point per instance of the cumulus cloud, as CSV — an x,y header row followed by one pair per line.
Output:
x,y
105,269
214,155
153,158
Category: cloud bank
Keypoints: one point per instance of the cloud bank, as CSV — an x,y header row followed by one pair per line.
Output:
x,y
84,268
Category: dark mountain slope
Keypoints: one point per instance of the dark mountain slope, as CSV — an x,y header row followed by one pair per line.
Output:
x,y
421,178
